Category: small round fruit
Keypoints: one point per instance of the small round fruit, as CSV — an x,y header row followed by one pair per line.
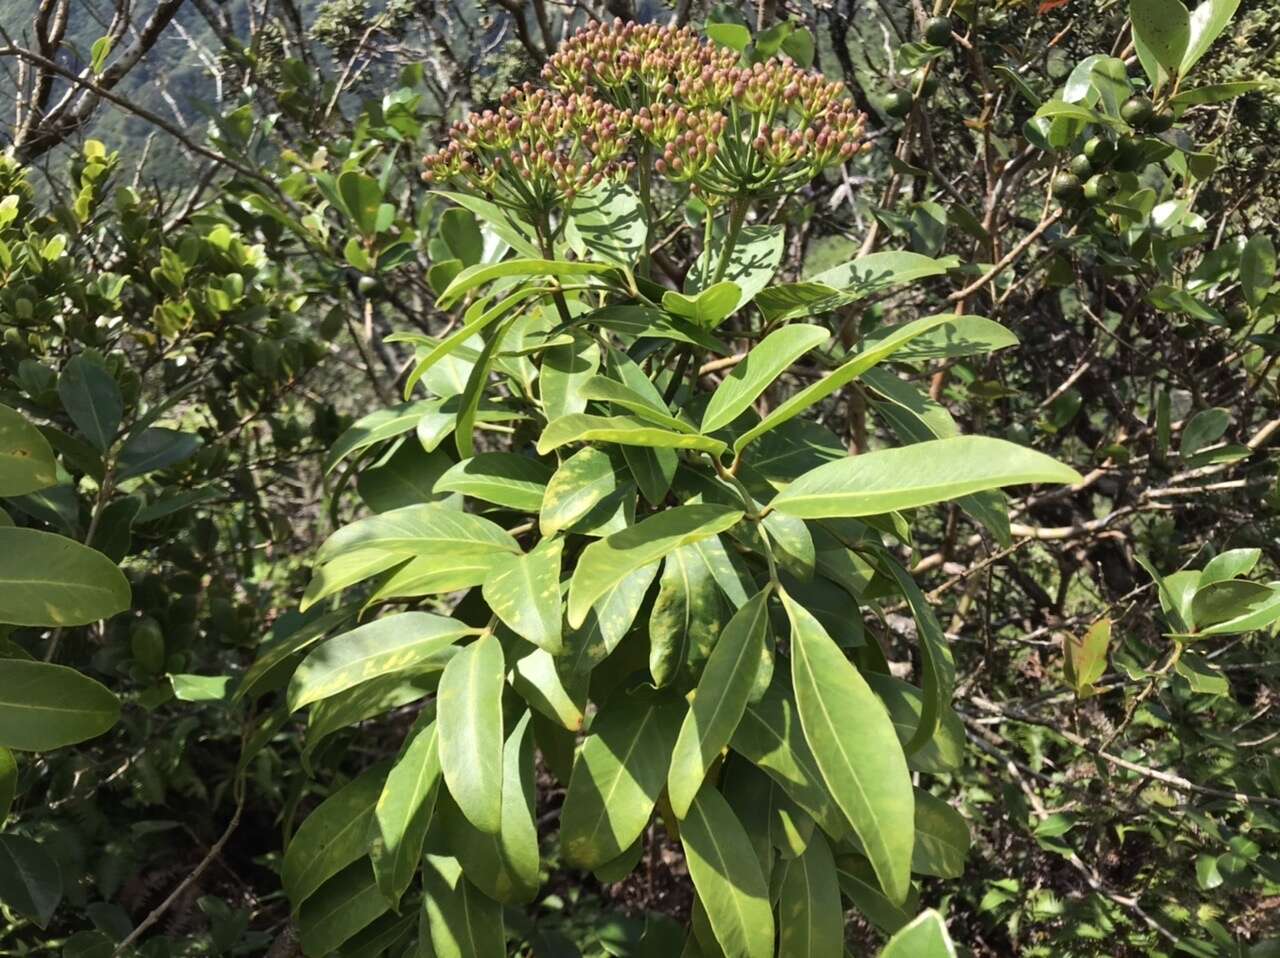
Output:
x,y
1128,157
1099,150
369,285
937,31
925,82
1236,317
1081,166
1099,188
1067,187
1137,111
1161,121
898,103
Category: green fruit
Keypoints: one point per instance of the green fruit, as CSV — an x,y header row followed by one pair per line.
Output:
x,y
1128,157
898,103
1099,188
369,285
1137,111
1236,316
1099,151
1080,166
1067,187
1163,120
925,82
937,31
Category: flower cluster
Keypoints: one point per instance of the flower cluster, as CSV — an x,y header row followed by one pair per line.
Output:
x,y
536,151
659,95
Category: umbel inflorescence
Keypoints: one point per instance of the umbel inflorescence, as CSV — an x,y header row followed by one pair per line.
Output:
x,y
623,97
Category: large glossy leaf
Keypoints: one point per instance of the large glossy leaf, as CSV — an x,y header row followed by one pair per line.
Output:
x,y
481,273
458,920
289,636
333,836
617,776
396,643
604,389
377,427
153,449
727,875
859,884
622,430
518,234
1257,268
503,478
888,480
904,702
403,812
505,865
925,937
838,378
756,254
30,880
562,374
524,592
370,699
345,571
50,580
8,782
585,480
362,197
608,621
1228,608
1163,27
26,459
810,914
427,529
856,749
607,224
720,700
405,478
44,706
92,399
605,562
772,356
770,736
942,838
346,905
557,692
687,612
958,336
469,715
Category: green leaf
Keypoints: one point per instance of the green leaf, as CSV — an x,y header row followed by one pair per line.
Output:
x,y
761,367
957,336
406,478
608,224
504,865
583,481
838,378
1085,658
1229,565
868,274
50,580
473,393
8,782
30,880
92,399
707,308
688,612
154,449
945,751
99,52
810,913
403,813
361,196
770,736
646,322
1201,676
538,680
617,776
942,838
458,921
44,706
469,710
1164,28
377,427
426,529
753,262
346,570
1213,92
515,232
720,700
622,430
200,688
603,563
1206,23
461,233
925,937
727,875
858,883
604,389
524,592
608,621
856,749
731,35
1238,603
396,643
1203,429
26,459
289,636
481,273
889,480
1257,268
503,478
346,905
333,836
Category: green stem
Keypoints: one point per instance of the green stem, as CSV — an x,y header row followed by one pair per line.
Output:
x,y
737,215
548,253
